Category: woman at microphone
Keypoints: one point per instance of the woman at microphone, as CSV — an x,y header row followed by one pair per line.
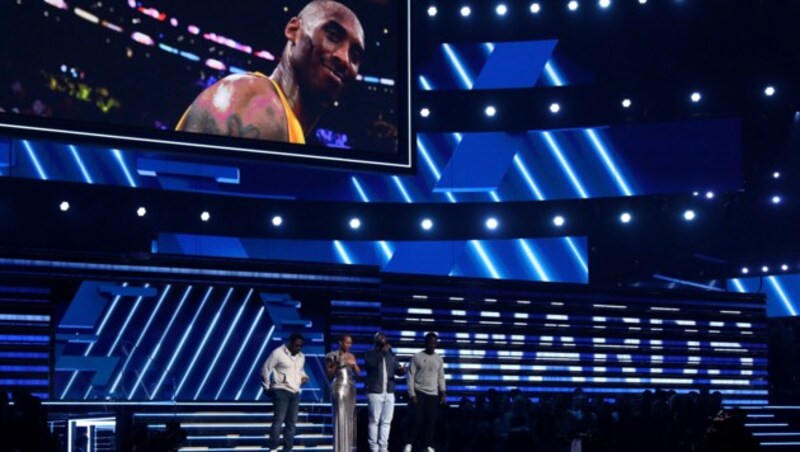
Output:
x,y
342,368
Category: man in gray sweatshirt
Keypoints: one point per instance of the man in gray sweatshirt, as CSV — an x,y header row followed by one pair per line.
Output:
x,y
426,388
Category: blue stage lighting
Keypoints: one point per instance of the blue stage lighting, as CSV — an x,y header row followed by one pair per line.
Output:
x,y
745,270
64,206
277,220
785,267
501,10
432,11
776,175
709,195
625,217
604,3
696,97
425,112
765,269
427,224
555,108
689,215
558,220
355,223
141,211
573,5
490,111
769,91
535,8
205,216
642,2
776,199
466,11
626,103
492,223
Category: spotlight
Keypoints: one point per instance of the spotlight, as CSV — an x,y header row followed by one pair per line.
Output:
x,y
501,10
355,223
776,199
696,97
492,223
709,195
626,103
745,270
490,111
141,211
466,11
426,224
604,3
535,8
784,267
625,217
558,220
432,11
555,108
695,194
205,216
573,5
642,2
689,215
776,175
277,220
64,206
765,269
425,112
769,91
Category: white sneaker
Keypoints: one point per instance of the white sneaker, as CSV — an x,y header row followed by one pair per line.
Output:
x,y
408,448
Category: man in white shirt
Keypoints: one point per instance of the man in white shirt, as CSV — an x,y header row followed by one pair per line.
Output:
x,y
281,376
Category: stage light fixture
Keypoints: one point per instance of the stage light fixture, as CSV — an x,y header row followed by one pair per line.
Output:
x,y
604,3
785,267
776,199
642,2
776,175
625,217
573,5
558,220
689,215
696,97
501,10
355,223
535,8
764,269
277,220
626,103
425,112
492,223
769,91
432,11
555,108
709,195
426,224
466,11
745,270
64,206
490,111
695,194
141,211
205,216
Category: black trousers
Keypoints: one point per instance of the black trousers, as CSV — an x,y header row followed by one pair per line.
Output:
x,y
426,411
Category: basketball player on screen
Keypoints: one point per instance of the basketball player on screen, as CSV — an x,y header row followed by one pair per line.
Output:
x,y
324,48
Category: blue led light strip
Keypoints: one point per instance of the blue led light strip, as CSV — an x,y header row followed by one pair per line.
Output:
x,y
221,347
181,343
34,160
239,353
203,342
121,160
152,356
256,362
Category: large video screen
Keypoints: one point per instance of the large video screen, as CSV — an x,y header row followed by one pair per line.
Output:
x,y
318,81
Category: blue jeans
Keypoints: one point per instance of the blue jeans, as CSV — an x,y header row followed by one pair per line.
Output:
x,y
381,411
285,404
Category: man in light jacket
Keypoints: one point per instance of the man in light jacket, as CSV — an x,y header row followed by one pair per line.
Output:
x,y
281,376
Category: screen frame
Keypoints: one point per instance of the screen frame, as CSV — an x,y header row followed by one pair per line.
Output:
x,y
183,143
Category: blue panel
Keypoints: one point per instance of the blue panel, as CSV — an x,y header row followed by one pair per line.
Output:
x,y
515,64
782,292
431,258
210,245
479,163
5,157
102,366
128,291
156,167
86,307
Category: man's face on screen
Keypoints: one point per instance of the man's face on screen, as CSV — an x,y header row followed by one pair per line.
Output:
x,y
329,50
